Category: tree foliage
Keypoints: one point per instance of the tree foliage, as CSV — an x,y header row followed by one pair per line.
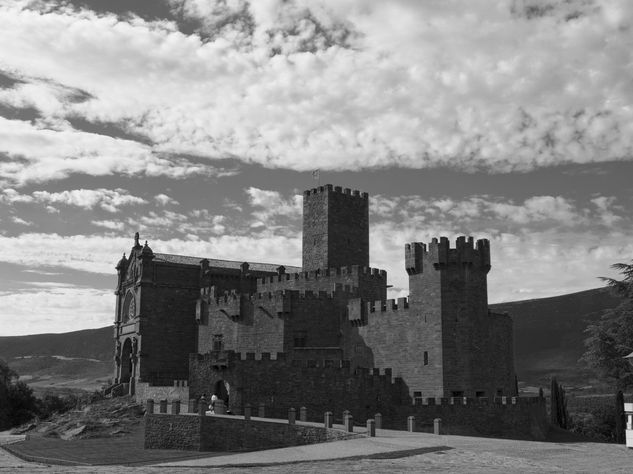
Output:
x,y
559,415
610,339
17,402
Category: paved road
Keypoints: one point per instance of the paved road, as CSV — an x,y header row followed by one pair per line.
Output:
x,y
391,452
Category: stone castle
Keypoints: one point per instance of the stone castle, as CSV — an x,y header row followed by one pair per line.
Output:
x,y
322,335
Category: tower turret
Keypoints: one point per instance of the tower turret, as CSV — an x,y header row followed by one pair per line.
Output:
x,y
335,228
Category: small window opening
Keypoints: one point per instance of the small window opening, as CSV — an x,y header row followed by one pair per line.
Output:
x,y
499,392
300,338
480,393
426,358
218,342
457,393
417,398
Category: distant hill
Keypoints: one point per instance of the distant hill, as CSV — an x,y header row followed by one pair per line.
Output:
x,y
548,340
549,335
61,362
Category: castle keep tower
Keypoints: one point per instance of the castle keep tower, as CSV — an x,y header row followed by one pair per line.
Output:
x,y
471,348
335,228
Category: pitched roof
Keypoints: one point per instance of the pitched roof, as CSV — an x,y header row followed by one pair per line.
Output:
x,y
185,260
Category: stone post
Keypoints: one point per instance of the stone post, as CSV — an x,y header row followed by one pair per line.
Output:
x,y
411,423
262,411
149,406
345,415
175,407
163,406
303,414
247,411
219,408
437,426
292,416
349,423
378,420
327,419
371,428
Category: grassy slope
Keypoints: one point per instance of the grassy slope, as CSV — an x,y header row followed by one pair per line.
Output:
x,y
549,334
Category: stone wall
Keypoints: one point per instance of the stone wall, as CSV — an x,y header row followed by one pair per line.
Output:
x,y
219,433
526,418
282,383
273,322
145,391
368,283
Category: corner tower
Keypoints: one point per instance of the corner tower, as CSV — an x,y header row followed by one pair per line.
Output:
x,y
335,228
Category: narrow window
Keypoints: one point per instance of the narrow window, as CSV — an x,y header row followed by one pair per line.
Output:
x,y
417,398
426,358
300,338
218,342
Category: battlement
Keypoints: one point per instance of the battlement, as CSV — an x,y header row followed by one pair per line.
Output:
x,y
439,254
358,311
262,362
324,273
328,188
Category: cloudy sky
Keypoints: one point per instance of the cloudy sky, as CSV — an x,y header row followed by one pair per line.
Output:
x,y
198,122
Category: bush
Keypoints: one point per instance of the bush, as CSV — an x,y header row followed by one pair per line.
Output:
x,y
593,417
54,404
21,403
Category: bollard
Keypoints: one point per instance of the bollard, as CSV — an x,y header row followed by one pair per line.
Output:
x,y
175,407
303,414
219,408
193,406
262,411
163,406
349,423
202,409
346,413
247,411
378,420
437,426
327,419
411,423
292,416
149,406
371,428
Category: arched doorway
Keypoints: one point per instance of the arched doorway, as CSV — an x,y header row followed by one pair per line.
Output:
x,y
221,390
126,361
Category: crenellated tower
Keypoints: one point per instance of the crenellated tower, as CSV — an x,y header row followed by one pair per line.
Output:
x,y
335,228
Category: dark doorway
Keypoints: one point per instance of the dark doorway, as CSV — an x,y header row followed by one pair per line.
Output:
x,y
222,391
126,361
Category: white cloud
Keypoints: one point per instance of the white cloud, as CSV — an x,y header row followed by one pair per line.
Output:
x,y
492,84
107,199
271,204
39,153
55,308
110,225
21,221
482,211
163,200
100,254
